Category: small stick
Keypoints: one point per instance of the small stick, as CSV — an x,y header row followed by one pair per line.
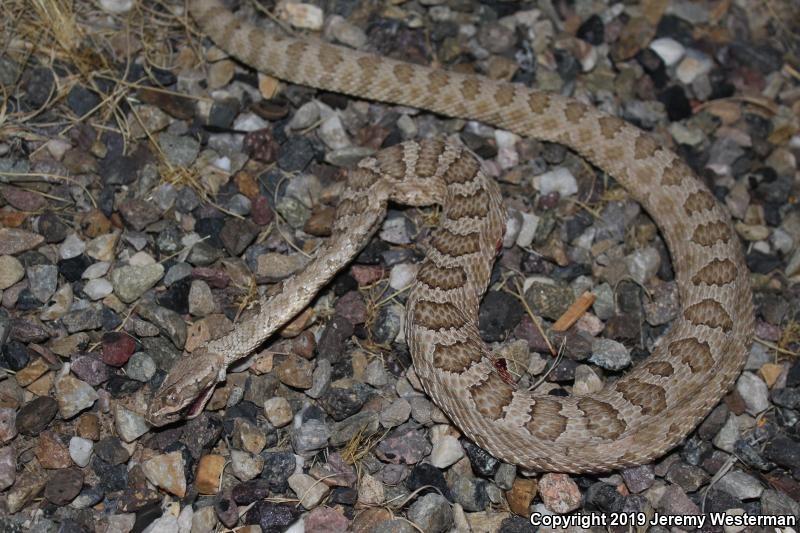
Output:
x,y
575,311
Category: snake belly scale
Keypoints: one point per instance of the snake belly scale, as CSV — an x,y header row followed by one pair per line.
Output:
x,y
633,419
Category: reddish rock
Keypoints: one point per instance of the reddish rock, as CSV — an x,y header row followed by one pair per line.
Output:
x,y
64,486
22,199
216,278
117,348
559,493
326,520
365,275
51,452
352,307
261,211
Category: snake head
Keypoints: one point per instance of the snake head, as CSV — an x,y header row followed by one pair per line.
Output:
x,y
187,388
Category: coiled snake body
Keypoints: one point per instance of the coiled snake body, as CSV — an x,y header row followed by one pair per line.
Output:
x,y
632,420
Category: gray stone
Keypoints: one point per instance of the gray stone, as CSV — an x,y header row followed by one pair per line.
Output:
x,y
754,392
180,150
505,475
42,281
140,367
177,272
311,436
8,467
470,493
740,485
610,354
130,282
201,300
396,230
168,322
97,289
396,413
432,513
726,438
643,264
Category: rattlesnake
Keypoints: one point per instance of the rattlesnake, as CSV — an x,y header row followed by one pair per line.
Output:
x,y
633,419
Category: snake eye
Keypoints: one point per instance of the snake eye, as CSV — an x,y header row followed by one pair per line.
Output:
x,y
172,398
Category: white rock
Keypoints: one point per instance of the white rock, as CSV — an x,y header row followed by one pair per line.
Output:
x,y
407,126
332,133
507,155
249,122
669,50
166,523
754,392
167,471
513,228
96,270
402,275
530,223
57,148
97,289
80,450
278,411
141,259
73,395
446,451
346,33
246,465
694,65
643,264
309,490
726,438
116,6
121,523
130,425
586,381
305,117
185,519
505,139
300,15
72,247
559,180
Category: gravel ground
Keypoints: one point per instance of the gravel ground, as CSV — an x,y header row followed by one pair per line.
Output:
x,y
119,252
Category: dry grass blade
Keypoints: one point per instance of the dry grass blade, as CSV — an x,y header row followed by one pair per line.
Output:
x,y
360,445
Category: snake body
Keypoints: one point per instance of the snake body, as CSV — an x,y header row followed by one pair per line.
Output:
x,y
633,419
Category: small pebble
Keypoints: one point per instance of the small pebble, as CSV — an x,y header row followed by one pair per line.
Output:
x,y
559,493
167,472
309,490
73,396
129,425
559,180
668,49
278,411
80,450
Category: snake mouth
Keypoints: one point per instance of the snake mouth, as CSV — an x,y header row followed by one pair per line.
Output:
x,y
197,405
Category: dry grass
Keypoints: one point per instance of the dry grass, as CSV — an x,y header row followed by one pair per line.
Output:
x,y
360,445
83,46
